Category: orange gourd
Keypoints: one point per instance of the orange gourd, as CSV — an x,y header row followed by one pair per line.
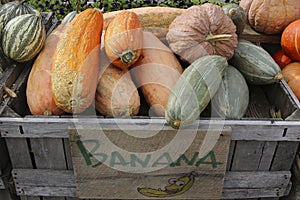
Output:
x,y
291,74
290,40
76,62
38,90
156,73
123,39
281,58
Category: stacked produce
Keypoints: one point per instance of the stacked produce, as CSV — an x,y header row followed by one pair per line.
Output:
x,y
178,60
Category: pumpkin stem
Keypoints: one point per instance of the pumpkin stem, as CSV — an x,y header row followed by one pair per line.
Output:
x,y
126,57
211,38
47,113
279,76
176,123
77,6
233,12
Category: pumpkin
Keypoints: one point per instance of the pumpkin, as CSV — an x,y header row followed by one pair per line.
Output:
x,y
202,30
291,74
194,89
12,9
38,90
281,58
156,72
69,17
123,39
232,98
153,19
290,40
116,95
255,63
270,16
75,64
23,37
238,16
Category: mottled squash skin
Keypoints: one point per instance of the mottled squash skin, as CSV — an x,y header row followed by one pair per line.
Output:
x,y
116,95
156,72
76,62
123,39
38,90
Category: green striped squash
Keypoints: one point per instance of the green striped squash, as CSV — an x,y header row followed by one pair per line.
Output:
x,y
69,17
23,37
12,9
6,1
194,90
232,98
5,62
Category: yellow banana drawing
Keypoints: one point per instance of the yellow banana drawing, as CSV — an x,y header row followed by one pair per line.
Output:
x,y
175,187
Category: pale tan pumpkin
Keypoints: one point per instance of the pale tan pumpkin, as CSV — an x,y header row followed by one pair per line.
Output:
x,y
271,16
202,30
38,90
156,72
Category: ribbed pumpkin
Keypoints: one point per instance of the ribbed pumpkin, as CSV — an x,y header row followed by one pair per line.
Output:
x,y
75,66
290,40
271,16
12,9
23,37
202,30
291,73
255,63
232,98
194,89
123,39
156,72
281,58
116,95
38,90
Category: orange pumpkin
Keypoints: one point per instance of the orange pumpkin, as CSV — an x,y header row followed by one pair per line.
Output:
x,y
38,90
75,66
290,40
281,59
291,73
123,39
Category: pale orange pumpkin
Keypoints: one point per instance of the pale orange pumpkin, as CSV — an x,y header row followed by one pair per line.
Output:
x,y
291,73
123,39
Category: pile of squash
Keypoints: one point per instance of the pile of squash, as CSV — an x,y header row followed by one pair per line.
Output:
x,y
180,60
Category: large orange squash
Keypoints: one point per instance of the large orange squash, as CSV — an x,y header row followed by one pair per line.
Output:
x,y
156,73
271,16
76,62
290,40
38,90
291,73
123,39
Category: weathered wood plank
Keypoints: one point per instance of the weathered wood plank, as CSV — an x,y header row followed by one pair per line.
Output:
x,y
237,185
19,152
267,156
285,155
253,36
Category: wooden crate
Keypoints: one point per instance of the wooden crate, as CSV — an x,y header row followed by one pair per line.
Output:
x,y
261,151
7,80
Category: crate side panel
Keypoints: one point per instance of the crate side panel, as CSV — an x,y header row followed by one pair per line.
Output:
x,y
19,152
247,155
285,155
267,156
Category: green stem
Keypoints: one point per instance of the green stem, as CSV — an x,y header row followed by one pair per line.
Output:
x,y
78,6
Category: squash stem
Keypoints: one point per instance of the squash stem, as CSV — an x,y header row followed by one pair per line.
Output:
x,y
213,38
279,76
77,6
233,12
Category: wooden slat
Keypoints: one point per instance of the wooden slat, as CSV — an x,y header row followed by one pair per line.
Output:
x,y
45,182
285,155
267,156
253,36
19,152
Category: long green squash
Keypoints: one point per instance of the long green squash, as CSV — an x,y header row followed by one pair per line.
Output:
x,y
255,63
232,98
23,37
194,90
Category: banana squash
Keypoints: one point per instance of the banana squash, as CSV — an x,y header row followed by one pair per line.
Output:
x,y
75,67
232,98
255,63
194,90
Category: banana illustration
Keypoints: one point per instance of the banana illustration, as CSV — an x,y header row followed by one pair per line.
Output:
x,y
175,187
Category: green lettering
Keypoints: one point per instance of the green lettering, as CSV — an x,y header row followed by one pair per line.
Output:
x,y
185,159
117,159
134,159
103,159
213,161
166,156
